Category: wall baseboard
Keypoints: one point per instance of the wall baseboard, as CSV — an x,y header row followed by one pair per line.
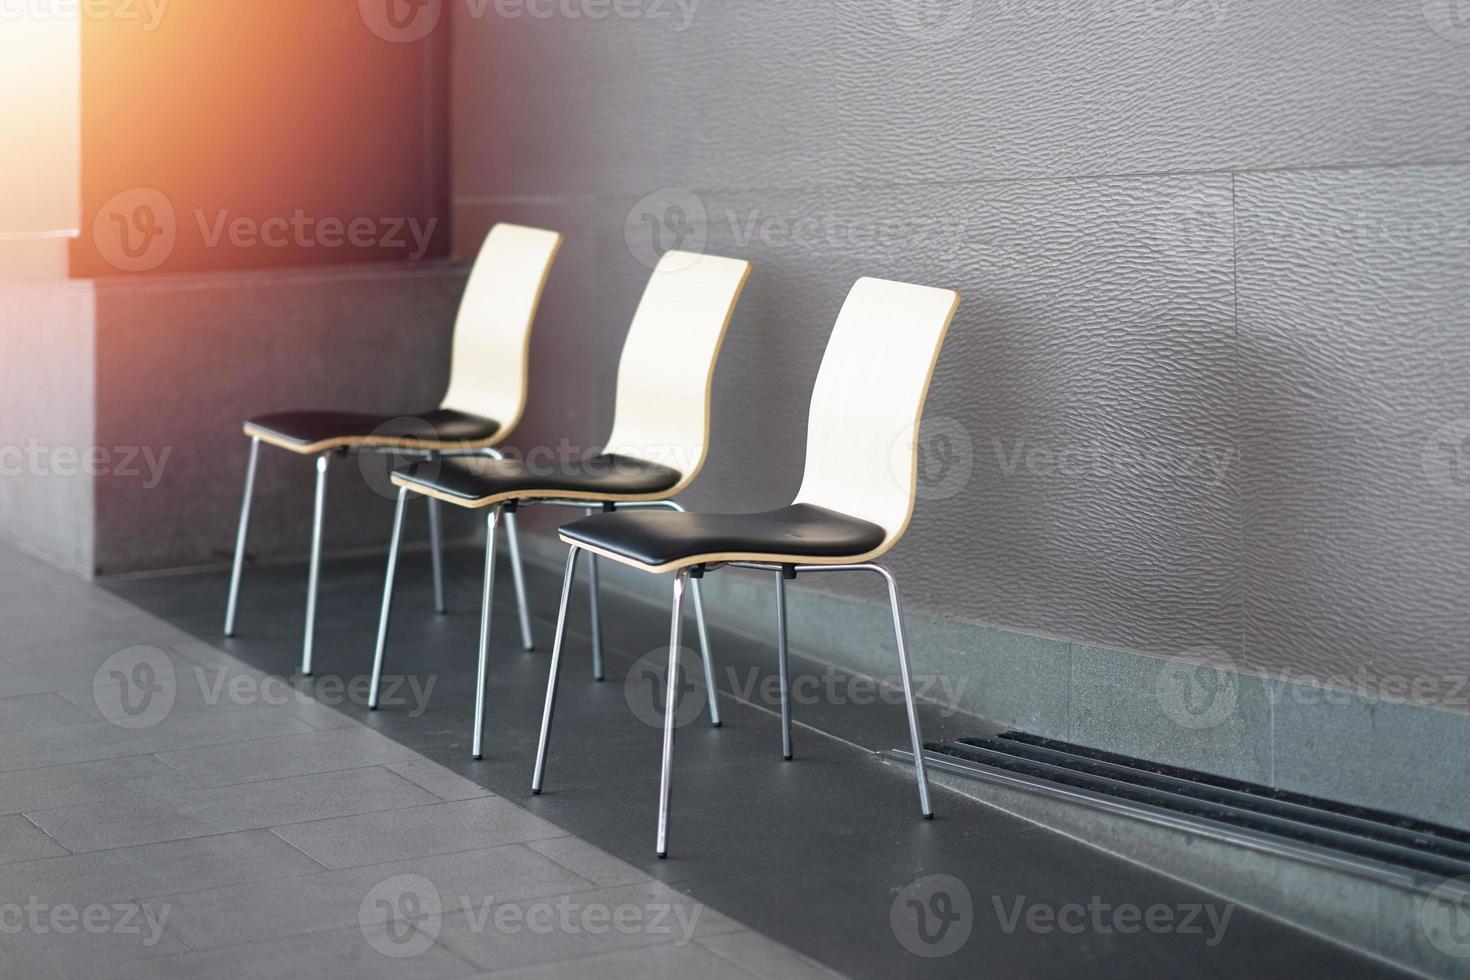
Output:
x,y
1291,733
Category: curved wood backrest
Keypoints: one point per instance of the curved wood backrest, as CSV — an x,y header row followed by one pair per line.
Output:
x,y
492,334
862,434
668,364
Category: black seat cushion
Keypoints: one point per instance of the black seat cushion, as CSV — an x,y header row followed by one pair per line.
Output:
x,y
660,537
478,478
443,425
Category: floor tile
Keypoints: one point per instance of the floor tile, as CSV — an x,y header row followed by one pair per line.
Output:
x,y
761,957
220,810
692,962
345,953
376,838
155,869
21,840
291,755
437,779
578,926
588,861
334,899
87,782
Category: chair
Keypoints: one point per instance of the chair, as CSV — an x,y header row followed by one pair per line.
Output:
x,y
486,396
657,446
853,506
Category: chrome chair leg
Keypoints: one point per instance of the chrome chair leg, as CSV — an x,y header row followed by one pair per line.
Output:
x,y
784,663
486,600
594,597
240,535
387,598
518,575
561,631
696,590
915,738
316,562
436,547
671,694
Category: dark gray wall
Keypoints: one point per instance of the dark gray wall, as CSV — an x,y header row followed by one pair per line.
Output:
x,y
182,361
1216,265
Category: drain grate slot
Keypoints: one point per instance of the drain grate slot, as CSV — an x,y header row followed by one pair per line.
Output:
x,y
1371,838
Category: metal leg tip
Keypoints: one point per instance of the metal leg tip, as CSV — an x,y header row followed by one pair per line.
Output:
x,y
929,815
372,707
786,757
662,855
717,724
535,791
478,758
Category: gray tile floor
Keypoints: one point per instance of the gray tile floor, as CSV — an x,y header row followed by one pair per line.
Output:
x,y
245,831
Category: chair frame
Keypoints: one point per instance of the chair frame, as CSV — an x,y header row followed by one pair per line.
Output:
x,y
690,575
494,387
493,516
871,306
436,542
638,423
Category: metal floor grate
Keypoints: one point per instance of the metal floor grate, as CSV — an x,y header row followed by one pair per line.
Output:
x,y
1370,842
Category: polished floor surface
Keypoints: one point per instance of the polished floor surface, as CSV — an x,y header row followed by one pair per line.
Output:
x,y
292,839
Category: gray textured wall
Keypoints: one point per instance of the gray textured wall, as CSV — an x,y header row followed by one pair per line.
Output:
x,y
47,419
1216,265
182,361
